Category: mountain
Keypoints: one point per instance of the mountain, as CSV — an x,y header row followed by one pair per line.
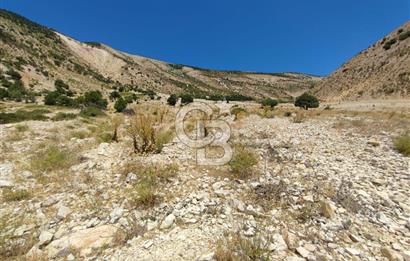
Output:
x,y
380,71
42,55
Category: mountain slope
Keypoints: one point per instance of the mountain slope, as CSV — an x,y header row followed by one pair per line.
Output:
x,y
42,55
381,71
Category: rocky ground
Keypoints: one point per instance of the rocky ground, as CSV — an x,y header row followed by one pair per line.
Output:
x,y
327,187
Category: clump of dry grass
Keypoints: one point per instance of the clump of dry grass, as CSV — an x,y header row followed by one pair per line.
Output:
x,y
402,144
22,128
150,179
234,246
52,158
11,247
163,138
81,134
267,112
15,195
242,161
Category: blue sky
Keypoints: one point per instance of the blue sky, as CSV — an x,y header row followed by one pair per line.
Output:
x,y
270,36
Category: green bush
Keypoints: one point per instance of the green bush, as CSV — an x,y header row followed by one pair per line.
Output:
x,y
91,112
172,100
94,99
402,144
23,115
14,75
216,97
17,91
51,98
404,36
238,97
307,101
269,103
62,116
186,98
120,105
62,88
63,100
389,43
3,94
114,95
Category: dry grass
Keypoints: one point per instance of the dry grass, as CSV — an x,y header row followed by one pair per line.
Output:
x,y
116,122
243,161
267,112
15,195
150,181
233,246
11,247
163,138
81,134
142,133
151,130
52,158
22,128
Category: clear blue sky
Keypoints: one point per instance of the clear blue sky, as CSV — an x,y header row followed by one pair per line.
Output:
x,y
273,36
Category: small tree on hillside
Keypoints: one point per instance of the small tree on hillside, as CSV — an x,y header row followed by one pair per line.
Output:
x,y
120,105
307,101
269,103
172,100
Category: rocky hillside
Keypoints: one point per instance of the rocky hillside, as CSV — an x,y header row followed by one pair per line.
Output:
x,y
42,55
380,71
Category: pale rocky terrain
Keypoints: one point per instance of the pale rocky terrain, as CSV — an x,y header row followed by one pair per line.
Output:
x,y
329,188
323,184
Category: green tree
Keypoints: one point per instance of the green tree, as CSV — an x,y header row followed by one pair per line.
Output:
x,y
269,103
307,101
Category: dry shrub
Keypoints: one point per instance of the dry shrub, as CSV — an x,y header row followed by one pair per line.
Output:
x,y
116,122
150,130
142,133
275,194
299,117
402,144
